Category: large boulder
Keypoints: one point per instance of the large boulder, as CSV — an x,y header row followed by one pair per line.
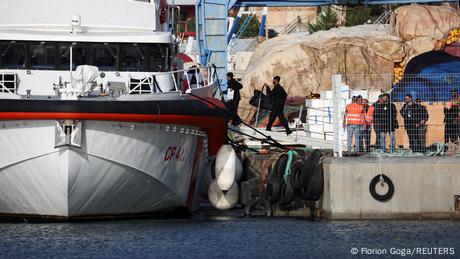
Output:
x,y
307,62
413,21
423,27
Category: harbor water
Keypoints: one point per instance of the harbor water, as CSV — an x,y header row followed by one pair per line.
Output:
x,y
230,237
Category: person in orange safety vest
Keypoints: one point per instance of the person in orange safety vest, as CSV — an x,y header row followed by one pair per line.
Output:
x,y
353,120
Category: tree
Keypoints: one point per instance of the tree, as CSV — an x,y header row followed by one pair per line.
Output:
x,y
324,21
252,30
362,14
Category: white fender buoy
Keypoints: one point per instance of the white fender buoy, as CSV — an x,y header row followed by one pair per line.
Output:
x,y
223,200
225,167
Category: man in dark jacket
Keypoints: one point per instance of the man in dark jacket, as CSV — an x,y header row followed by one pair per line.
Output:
x,y
422,127
385,122
414,117
278,97
451,118
233,105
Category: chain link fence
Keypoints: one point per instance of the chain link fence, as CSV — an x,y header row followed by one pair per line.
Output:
x,y
392,113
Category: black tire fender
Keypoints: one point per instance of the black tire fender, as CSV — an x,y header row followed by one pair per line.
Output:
x,y
391,188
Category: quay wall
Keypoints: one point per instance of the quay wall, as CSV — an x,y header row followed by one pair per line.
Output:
x,y
425,188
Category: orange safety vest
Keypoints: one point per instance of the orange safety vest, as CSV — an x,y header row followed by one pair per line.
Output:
x,y
369,116
355,114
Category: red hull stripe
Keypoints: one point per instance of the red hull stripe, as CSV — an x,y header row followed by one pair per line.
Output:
x,y
192,120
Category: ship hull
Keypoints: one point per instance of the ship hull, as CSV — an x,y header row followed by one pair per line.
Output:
x,y
120,169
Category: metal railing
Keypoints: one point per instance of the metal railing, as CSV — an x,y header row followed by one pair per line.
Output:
x,y
182,80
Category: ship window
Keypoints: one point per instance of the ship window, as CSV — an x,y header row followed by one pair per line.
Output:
x,y
12,55
105,56
79,55
159,56
42,55
133,57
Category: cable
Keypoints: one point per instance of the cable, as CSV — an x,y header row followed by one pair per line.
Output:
x,y
259,139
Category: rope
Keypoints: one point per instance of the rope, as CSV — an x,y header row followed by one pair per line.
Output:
x,y
287,170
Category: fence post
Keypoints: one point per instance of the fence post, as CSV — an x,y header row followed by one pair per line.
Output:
x,y
337,110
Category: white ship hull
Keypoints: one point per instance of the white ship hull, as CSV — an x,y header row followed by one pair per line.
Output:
x,y
120,169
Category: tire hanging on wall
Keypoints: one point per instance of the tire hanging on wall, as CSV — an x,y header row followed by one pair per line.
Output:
x,y
313,182
296,177
382,179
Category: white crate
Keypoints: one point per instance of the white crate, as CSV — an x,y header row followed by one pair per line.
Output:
x,y
326,95
328,128
314,120
314,112
327,103
313,128
315,103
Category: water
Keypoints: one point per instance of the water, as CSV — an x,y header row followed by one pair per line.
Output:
x,y
224,237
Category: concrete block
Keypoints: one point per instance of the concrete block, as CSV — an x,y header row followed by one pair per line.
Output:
x,y
424,188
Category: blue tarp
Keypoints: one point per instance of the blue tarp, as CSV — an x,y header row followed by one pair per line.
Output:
x,y
430,77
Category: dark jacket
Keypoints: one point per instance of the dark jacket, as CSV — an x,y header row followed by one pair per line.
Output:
x,y
451,115
385,117
278,97
413,114
236,87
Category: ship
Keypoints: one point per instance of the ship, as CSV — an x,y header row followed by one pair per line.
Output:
x,y
96,118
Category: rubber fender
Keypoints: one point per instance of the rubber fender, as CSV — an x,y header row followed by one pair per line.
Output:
x,y
258,206
296,177
286,193
275,191
310,166
376,181
225,167
313,183
223,200
280,167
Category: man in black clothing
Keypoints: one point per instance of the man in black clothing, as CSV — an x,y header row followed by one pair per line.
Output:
x,y
451,118
414,116
385,122
422,127
233,105
278,97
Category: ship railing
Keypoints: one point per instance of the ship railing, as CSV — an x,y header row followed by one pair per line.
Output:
x,y
182,79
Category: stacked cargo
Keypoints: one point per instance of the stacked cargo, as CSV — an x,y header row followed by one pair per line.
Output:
x,y
320,116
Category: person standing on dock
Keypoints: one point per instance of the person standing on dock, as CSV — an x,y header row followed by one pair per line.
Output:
x,y
422,127
451,118
353,120
414,117
278,97
367,128
234,104
385,122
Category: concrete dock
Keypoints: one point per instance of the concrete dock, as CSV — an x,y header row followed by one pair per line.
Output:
x,y
424,188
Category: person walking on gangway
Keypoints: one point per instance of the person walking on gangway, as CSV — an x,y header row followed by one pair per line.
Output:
x,y
353,120
278,97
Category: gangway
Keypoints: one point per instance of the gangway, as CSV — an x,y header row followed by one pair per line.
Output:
x,y
297,137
